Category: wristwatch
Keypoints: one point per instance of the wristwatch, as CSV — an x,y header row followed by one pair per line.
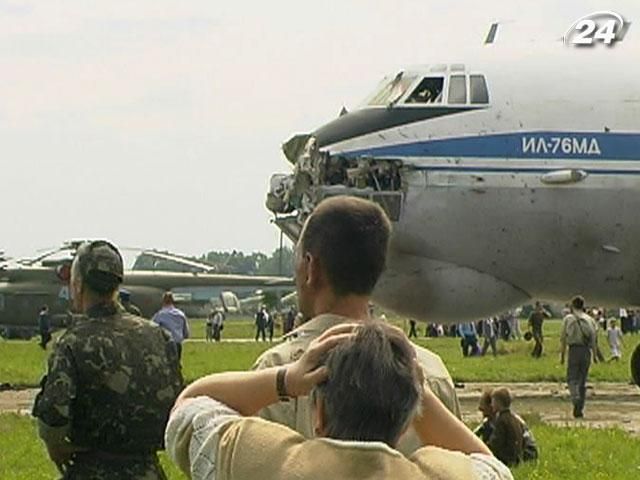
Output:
x,y
281,387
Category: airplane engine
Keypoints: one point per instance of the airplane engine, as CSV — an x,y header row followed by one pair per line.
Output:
x,y
447,293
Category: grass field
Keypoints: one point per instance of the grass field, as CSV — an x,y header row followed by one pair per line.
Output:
x,y
24,362
566,453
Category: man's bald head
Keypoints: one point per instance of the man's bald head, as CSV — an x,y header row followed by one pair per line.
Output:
x,y
349,236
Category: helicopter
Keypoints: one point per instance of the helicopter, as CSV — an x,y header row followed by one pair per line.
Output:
x,y
26,285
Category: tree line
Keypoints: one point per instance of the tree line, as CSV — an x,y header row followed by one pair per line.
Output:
x,y
256,263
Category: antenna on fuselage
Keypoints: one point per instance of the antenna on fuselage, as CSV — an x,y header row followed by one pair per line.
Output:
x,y
491,36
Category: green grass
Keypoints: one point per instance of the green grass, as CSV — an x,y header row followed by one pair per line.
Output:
x,y
566,453
514,363
24,362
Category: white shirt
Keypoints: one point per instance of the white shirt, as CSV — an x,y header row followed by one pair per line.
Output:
x,y
193,434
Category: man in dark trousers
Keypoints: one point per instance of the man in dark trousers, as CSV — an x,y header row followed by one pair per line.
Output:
x,y
44,326
261,323
536,319
412,328
578,334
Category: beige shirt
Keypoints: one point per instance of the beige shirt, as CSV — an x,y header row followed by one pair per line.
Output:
x,y
208,440
297,413
578,329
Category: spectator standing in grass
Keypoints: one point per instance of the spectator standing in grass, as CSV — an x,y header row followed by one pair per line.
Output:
x,y
217,324
44,326
262,317
490,334
536,320
614,337
468,339
413,333
174,320
577,334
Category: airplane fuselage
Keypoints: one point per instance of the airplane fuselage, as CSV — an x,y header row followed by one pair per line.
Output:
x,y
529,193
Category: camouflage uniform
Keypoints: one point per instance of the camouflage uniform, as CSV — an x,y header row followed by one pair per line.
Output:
x,y
297,413
111,382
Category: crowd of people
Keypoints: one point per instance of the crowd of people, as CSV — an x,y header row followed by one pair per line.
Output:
x,y
345,396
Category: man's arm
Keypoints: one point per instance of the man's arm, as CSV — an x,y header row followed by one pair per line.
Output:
x,y
53,403
186,331
248,392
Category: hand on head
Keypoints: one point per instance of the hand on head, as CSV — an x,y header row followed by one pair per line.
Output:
x,y
307,372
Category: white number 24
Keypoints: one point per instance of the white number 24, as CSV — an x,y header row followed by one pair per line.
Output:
x,y
589,31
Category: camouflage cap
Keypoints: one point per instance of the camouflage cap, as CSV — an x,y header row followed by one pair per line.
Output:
x,y
99,256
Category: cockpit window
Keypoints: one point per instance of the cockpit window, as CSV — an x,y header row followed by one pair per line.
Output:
x,y
391,91
458,89
478,89
428,91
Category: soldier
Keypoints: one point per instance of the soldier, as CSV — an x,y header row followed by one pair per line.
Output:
x,y
339,258
111,381
578,333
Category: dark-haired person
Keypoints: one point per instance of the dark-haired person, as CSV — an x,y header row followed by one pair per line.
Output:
x,y
44,326
173,319
536,320
339,257
366,389
579,335
507,438
111,381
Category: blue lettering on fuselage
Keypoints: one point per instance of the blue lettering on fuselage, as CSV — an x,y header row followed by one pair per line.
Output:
x,y
561,145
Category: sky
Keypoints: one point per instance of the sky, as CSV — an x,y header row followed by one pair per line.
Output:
x,y
158,123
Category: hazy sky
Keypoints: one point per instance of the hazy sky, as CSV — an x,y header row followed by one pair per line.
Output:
x,y
158,123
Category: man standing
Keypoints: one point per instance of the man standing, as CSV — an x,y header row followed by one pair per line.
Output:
x,y
289,321
125,301
490,334
468,339
217,323
44,326
111,381
413,333
577,332
261,323
174,320
536,319
339,258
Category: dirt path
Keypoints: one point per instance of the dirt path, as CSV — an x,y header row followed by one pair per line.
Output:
x,y
608,404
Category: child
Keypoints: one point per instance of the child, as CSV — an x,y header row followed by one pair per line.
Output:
x,y
614,335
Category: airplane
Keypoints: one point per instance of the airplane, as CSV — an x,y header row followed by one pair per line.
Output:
x,y
510,173
28,284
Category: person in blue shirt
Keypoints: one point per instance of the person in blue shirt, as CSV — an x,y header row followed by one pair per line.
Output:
x,y
469,340
174,320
